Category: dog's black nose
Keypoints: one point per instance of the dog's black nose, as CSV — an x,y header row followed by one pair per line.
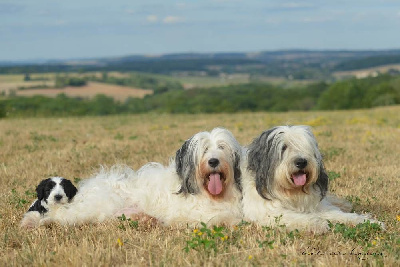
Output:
x,y
58,197
300,163
213,162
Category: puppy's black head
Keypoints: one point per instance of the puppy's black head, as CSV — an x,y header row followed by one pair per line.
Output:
x,y
44,188
69,189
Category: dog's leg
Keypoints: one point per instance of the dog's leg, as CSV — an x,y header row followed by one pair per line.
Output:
x,y
333,213
295,220
304,221
341,203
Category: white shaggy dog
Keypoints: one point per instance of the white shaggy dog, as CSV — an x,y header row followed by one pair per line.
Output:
x,y
51,193
284,182
202,184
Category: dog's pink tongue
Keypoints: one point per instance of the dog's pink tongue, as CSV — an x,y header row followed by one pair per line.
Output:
x,y
215,184
299,178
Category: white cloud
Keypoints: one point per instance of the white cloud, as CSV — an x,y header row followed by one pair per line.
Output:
x,y
60,22
130,11
172,19
152,18
315,19
273,21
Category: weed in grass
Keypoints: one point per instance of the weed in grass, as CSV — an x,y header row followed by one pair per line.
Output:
x,y
77,180
332,152
127,222
333,175
11,132
118,136
272,233
290,237
16,199
266,243
30,194
133,137
325,133
31,148
120,243
206,240
362,233
35,137
355,200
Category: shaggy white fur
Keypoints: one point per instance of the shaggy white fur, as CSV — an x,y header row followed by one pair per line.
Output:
x,y
201,185
284,182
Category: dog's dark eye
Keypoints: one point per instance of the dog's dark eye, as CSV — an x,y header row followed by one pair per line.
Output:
x,y
221,147
205,150
284,148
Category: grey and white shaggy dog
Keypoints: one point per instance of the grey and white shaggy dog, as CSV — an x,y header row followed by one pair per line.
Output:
x,y
284,182
201,184
51,192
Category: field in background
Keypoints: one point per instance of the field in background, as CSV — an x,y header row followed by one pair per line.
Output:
x,y
363,73
119,93
10,84
361,150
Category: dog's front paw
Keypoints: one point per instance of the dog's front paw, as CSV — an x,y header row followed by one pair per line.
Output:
x,y
30,220
368,217
45,221
318,226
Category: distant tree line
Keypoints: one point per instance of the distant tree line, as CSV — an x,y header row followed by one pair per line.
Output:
x,y
65,80
150,66
348,94
368,62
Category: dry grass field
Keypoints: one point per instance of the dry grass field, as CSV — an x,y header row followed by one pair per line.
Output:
x,y
361,150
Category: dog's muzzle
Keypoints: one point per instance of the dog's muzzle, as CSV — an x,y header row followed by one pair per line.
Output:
x,y
300,178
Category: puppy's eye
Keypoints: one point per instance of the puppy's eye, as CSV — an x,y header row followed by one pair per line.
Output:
x,y
284,147
222,147
205,150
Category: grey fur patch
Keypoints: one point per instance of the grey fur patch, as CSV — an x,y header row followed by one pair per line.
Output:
x,y
185,168
237,173
262,161
322,180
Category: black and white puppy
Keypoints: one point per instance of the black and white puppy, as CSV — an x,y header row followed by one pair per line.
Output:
x,y
50,193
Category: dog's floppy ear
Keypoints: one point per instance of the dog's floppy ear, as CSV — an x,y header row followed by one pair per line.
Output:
x,y
69,189
185,168
322,180
41,188
261,161
237,173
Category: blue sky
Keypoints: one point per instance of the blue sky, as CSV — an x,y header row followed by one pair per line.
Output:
x,y
63,29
